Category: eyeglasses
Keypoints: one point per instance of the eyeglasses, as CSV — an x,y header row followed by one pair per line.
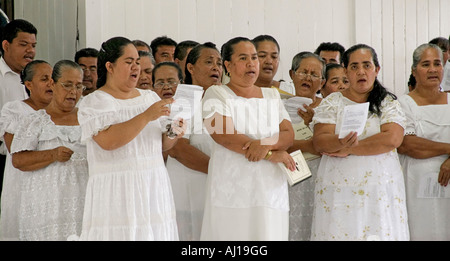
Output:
x,y
302,76
161,85
70,86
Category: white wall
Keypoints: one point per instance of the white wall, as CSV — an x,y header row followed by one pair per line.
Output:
x,y
393,27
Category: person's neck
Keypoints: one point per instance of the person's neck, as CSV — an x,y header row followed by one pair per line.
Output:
x,y
16,69
261,82
427,95
36,105
251,91
354,96
118,93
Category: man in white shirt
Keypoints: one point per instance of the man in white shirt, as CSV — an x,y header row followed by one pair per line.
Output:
x,y
18,49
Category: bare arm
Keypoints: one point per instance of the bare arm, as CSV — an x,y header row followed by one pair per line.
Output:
x,y
325,141
190,156
34,160
120,134
421,148
8,137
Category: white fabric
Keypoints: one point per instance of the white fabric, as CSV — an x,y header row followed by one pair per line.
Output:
x,y
52,198
128,196
189,188
359,197
428,217
11,89
287,87
11,115
237,185
445,84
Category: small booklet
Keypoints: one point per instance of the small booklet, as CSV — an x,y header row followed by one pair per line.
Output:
x,y
302,171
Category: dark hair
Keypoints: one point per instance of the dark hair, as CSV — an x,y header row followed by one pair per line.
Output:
x,y
181,49
412,81
193,56
10,31
110,51
60,66
442,42
265,37
159,41
141,43
334,47
27,74
330,67
171,64
378,92
86,52
147,54
227,49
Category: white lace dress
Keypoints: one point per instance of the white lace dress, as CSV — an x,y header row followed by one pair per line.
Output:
x,y
428,213
10,117
245,200
128,196
52,198
359,197
189,187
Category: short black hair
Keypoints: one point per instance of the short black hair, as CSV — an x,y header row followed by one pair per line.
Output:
x,y
159,41
171,64
10,31
182,47
86,52
328,46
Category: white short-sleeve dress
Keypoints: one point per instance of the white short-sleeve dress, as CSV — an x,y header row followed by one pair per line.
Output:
x,y
245,200
10,117
189,187
428,213
52,198
128,196
360,197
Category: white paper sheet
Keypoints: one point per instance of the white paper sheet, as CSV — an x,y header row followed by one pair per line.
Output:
x,y
430,188
293,104
188,100
354,119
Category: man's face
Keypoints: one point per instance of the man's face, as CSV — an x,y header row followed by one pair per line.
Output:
x,y
20,51
330,56
165,53
89,66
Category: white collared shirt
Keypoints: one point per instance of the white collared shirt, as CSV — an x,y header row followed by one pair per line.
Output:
x,y
445,84
11,89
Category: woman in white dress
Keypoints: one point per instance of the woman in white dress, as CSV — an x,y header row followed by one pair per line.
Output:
x,y
307,73
426,147
47,148
360,191
247,194
188,160
128,196
37,78
269,59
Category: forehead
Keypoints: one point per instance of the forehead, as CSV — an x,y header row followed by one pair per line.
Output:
x,y
166,72
166,48
244,47
23,36
267,46
129,51
329,54
430,54
89,61
209,52
361,55
145,62
310,62
71,74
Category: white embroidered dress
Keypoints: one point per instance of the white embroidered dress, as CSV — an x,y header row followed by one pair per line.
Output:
x,y
245,200
10,117
129,195
52,198
428,214
359,197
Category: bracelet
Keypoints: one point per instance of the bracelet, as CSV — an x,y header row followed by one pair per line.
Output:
x,y
269,153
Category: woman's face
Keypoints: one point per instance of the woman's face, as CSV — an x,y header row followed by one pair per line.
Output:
x,y
207,70
41,85
68,89
145,78
244,64
337,81
268,55
166,81
126,69
429,70
308,77
361,71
